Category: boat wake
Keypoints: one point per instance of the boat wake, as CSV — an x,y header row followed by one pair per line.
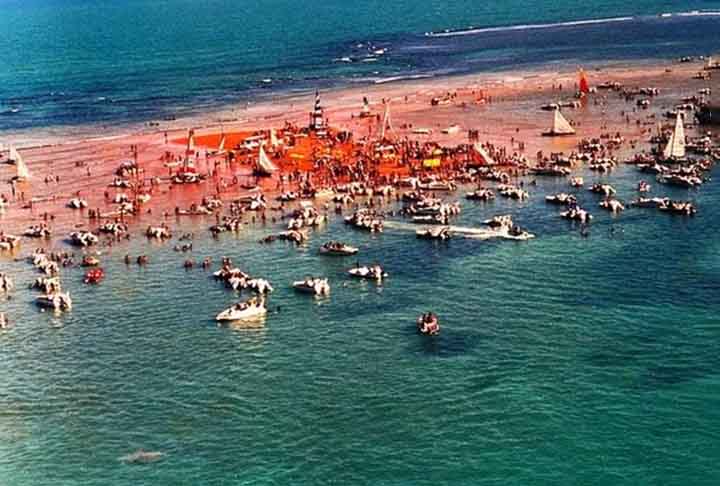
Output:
x,y
572,23
466,232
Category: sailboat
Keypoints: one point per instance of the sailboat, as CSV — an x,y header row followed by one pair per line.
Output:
x,y
560,126
221,147
675,148
191,143
365,112
23,174
484,156
583,86
265,166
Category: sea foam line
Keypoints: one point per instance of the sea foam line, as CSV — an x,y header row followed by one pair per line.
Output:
x,y
572,23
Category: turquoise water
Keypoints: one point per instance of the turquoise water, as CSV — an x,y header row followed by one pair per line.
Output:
x,y
76,62
563,360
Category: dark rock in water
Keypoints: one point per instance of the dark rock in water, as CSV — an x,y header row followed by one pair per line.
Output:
x,y
142,457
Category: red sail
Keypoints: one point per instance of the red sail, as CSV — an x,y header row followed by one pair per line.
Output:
x,y
584,88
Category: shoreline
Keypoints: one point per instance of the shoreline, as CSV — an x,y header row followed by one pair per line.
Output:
x,y
507,115
273,105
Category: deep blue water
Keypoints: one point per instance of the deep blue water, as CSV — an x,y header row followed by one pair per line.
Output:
x,y
75,62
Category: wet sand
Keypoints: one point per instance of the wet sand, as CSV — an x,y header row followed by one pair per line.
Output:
x,y
504,109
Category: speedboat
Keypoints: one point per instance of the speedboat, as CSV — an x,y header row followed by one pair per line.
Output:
x,y
158,232
6,283
605,189
480,195
374,272
77,203
8,242
576,214
562,199
316,286
434,219
442,234
59,301
251,309
655,202
612,205
428,324
37,231
504,221
337,248
83,238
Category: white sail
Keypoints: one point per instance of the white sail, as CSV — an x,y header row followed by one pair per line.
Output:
x,y
23,173
483,153
191,141
264,164
387,122
221,147
675,148
273,138
561,125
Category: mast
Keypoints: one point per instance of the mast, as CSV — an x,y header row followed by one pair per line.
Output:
x,y
386,122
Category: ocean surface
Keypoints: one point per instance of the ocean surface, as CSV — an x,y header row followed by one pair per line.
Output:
x,y
563,360
76,62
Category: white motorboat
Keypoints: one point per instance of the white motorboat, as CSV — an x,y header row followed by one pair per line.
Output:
x,y
250,309
83,238
77,203
59,301
316,286
374,272
441,234
337,248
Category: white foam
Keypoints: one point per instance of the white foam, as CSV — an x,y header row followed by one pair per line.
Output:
x,y
573,23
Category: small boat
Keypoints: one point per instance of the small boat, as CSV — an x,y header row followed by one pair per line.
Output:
x,y
59,301
577,182
316,286
94,276
643,187
251,309
90,261
428,324
374,272
338,249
